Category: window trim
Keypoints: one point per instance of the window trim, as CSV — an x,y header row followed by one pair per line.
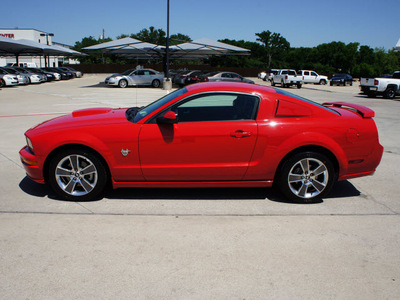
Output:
x,y
153,120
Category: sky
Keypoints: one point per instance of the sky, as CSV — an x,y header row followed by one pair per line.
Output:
x,y
304,23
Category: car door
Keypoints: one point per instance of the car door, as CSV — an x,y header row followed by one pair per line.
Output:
x,y
314,77
213,140
136,77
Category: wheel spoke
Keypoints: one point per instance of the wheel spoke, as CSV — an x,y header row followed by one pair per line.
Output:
x,y
86,185
70,187
305,165
303,190
90,169
295,178
318,171
319,186
63,172
74,162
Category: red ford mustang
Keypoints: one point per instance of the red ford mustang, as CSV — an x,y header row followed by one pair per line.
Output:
x,y
206,135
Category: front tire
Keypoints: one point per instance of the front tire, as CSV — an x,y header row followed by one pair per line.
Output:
x,y
123,83
306,177
322,82
77,174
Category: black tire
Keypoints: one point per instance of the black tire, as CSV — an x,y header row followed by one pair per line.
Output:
x,y
389,93
322,82
283,84
77,175
122,83
299,85
298,182
2,83
156,83
272,83
331,84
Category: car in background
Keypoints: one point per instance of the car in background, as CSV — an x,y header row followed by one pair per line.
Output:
x,y
227,76
7,79
49,75
270,74
22,78
136,77
195,77
63,74
188,76
341,79
186,140
33,77
78,74
312,77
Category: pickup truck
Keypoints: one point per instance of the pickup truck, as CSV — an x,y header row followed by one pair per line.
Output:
x,y
387,87
312,77
287,78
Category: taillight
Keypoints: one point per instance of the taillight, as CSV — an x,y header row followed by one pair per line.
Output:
x,y
286,77
376,82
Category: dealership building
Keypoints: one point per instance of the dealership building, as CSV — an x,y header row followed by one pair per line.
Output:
x,y
37,36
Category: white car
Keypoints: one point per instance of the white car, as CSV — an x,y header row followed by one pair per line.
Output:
x,y
312,77
22,79
7,79
136,77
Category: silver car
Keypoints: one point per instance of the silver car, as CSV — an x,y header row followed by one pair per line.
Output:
x,y
136,77
227,76
22,79
7,78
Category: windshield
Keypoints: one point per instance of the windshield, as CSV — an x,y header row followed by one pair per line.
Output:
x,y
127,72
303,99
145,111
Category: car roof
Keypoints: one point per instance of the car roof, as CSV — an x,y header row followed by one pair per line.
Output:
x,y
230,87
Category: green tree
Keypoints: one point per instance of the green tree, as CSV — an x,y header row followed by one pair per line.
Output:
x,y
274,44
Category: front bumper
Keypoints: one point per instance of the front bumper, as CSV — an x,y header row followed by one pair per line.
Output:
x,y
31,165
111,81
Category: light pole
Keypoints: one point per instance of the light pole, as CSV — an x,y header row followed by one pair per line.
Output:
x,y
47,43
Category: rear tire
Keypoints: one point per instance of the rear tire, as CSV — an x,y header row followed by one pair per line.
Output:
x,y
299,85
389,93
2,83
155,83
306,177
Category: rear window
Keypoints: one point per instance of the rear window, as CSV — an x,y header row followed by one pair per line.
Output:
x,y
282,92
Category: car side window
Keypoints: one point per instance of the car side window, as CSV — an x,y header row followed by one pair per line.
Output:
x,y
217,107
226,75
313,74
306,73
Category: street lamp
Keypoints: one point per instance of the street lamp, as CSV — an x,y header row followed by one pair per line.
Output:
x,y
47,62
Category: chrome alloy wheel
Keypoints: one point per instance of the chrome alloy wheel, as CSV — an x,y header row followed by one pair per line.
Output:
x,y
308,178
76,175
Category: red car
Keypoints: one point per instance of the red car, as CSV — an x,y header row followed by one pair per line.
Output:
x,y
206,135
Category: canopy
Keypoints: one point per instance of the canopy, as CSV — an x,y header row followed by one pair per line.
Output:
x,y
127,47
201,48
10,47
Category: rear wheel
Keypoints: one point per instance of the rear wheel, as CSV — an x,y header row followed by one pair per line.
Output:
x,y
77,174
155,83
299,85
306,177
123,83
389,93
2,83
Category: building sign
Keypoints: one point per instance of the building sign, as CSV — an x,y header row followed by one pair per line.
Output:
x,y
7,35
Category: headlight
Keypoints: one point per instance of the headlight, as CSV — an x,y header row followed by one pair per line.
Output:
x,y
29,143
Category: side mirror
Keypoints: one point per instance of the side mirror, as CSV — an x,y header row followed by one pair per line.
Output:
x,y
168,118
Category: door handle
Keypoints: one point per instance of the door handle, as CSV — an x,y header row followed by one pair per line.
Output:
x,y
240,134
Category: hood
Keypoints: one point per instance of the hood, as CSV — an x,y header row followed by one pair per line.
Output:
x,y
83,118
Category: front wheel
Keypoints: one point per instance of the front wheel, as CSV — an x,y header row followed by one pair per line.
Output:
x,y
299,85
77,175
322,82
306,177
123,83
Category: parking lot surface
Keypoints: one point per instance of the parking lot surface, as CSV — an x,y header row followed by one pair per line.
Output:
x,y
193,243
